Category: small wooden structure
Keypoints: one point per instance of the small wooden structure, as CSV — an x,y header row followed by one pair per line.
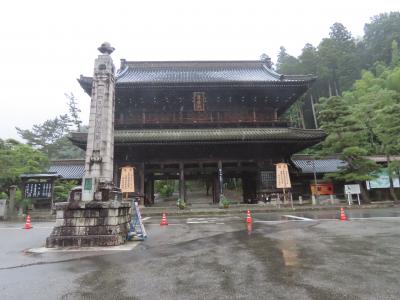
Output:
x,y
39,188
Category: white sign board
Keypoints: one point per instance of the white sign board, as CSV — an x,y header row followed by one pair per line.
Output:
x,y
127,183
352,189
282,176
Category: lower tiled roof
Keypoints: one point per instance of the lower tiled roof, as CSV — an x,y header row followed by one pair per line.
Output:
x,y
68,169
212,135
320,165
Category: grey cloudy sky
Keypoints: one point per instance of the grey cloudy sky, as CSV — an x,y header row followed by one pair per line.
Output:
x,y
46,45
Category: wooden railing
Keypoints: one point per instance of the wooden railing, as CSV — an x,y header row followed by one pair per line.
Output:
x,y
185,118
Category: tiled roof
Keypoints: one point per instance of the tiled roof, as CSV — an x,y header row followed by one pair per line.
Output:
x,y
75,170
212,135
201,72
321,165
40,175
68,169
204,73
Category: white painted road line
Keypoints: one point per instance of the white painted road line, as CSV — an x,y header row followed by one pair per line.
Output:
x,y
17,228
169,224
375,218
201,220
146,218
276,221
298,218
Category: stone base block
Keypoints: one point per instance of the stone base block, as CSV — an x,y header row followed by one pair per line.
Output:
x,y
84,241
90,224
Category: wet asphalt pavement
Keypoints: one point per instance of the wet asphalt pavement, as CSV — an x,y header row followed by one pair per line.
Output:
x,y
278,257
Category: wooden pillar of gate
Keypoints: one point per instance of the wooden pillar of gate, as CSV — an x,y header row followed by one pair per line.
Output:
x,y
149,190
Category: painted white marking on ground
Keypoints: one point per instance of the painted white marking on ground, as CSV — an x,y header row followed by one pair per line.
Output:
x,y
374,218
146,218
299,218
201,220
169,224
276,221
18,228
126,247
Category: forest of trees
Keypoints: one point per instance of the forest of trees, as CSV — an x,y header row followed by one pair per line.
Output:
x,y
356,98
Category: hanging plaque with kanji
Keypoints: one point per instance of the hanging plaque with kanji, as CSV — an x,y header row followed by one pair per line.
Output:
x,y
282,176
127,183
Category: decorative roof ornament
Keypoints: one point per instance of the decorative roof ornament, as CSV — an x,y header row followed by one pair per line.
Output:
x,y
266,60
106,48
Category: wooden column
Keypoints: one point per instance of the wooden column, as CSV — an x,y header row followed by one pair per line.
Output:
x,y
152,189
215,188
149,190
249,187
182,194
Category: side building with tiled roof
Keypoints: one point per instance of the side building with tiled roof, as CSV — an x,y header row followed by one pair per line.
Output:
x,y
204,119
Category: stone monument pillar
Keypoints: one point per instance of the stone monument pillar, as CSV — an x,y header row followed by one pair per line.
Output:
x,y
100,141
95,214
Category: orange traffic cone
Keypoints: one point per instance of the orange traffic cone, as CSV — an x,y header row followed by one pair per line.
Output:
x,y
164,220
27,223
342,215
248,218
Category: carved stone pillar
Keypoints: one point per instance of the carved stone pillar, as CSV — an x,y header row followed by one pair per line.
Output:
x,y
100,142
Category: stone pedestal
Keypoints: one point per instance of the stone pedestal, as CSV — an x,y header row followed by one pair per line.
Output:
x,y
88,224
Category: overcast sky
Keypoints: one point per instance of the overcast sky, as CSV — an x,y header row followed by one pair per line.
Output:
x,y
46,45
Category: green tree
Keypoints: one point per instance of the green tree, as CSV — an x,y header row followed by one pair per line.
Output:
x,y
74,111
339,65
395,54
364,121
62,189
379,35
345,136
286,64
17,158
51,137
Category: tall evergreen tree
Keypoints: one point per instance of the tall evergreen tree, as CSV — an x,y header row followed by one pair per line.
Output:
x,y
379,35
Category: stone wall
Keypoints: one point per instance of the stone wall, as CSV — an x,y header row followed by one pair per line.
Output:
x,y
88,224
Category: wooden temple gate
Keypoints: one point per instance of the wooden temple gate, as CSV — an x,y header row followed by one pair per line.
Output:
x,y
204,119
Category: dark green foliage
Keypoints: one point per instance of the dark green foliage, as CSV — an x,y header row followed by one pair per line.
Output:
x,y
51,137
286,64
17,158
364,121
164,187
379,36
338,61
62,189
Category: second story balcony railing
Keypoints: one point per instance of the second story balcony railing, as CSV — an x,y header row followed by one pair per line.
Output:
x,y
214,118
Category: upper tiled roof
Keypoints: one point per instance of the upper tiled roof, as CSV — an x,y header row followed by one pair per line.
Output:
x,y
204,73
176,72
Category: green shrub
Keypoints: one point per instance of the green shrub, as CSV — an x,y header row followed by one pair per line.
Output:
x,y
223,202
180,203
164,187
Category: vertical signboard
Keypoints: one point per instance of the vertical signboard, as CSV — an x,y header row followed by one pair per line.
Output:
x,y
282,176
127,183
